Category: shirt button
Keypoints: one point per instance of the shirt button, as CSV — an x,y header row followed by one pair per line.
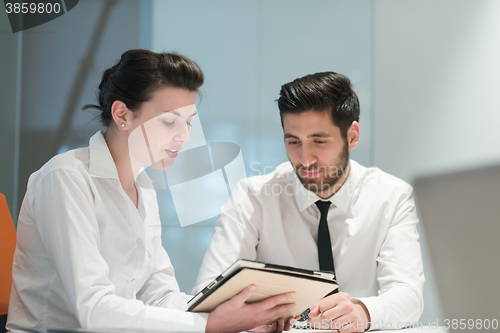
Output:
x,y
134,280
139,241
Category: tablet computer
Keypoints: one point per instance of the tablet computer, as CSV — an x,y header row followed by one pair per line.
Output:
x,y
269,280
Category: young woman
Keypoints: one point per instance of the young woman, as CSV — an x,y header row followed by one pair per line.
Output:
x,y
89,251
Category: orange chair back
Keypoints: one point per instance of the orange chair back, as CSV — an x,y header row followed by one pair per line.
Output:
x,y
7,247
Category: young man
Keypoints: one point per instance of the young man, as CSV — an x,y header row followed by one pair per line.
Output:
x,y
324,211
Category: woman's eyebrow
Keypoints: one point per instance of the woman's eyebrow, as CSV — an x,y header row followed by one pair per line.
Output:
x,y
177,113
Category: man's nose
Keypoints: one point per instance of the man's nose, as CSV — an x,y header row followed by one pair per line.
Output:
x,y
307,157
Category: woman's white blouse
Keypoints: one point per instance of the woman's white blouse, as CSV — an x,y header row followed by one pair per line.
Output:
x,y
87,257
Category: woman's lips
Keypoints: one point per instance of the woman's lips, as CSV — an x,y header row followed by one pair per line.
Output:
x,y
172,153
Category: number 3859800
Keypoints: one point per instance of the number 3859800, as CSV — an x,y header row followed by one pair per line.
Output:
x,y
32,8
471,324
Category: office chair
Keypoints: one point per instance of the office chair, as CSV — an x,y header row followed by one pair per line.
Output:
x,y
7,247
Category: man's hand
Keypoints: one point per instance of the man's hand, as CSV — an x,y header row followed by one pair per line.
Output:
x,y
339,312
235,315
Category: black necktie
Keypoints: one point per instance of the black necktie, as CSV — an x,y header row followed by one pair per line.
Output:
x,y
325,255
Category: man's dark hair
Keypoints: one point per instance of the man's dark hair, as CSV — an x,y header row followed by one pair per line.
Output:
x,y
319,92
138,74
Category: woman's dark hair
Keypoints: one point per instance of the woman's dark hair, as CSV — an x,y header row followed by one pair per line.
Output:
x,y
138,74
319,92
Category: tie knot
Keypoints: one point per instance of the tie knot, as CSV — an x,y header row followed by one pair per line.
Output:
x,y
323,207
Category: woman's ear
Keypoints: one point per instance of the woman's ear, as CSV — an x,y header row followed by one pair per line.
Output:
x,y
121,115
353,135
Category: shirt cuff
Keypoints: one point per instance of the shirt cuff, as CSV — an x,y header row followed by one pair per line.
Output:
x,y
375,310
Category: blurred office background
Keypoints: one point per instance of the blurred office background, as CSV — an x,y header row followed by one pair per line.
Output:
x,y
427,74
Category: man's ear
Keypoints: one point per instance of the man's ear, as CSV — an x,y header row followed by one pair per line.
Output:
x,y
121,115
353,135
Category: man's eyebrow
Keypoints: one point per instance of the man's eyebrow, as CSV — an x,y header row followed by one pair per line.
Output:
x,y
315,135
319,135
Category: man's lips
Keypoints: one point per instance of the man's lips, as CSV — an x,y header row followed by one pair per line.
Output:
x,y
309,173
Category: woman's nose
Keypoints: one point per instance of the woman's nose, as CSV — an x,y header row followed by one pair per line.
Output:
x,y
183,134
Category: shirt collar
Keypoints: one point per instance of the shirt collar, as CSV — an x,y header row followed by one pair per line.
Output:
x,y
101,163
341,199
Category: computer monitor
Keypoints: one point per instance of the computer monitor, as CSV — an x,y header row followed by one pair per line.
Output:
x,y
460,212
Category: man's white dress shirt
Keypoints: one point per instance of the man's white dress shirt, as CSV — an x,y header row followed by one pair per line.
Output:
x,y
373,230
87,257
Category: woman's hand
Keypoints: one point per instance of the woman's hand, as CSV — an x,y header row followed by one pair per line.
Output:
x,y
235,315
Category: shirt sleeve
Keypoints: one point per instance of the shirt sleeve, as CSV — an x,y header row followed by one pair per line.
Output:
x,y
64,213
235,236
161,288
400,273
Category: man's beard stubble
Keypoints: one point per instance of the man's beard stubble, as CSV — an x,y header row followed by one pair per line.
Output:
x,y
333,174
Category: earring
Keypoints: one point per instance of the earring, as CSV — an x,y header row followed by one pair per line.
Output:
x,y
122,125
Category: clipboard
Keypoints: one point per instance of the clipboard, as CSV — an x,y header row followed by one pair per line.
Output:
x,y
269,280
